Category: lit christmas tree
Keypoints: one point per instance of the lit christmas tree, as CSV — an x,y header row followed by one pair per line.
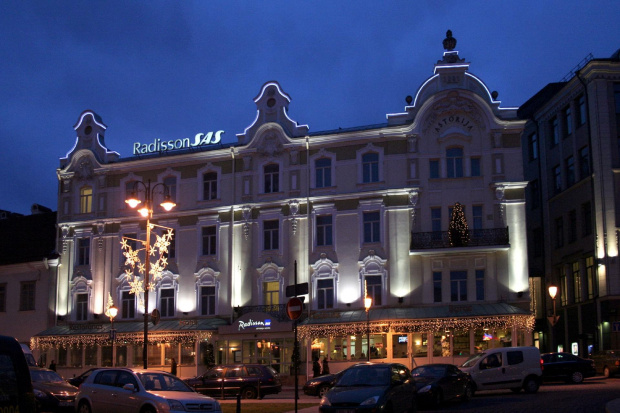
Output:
x,y
458,232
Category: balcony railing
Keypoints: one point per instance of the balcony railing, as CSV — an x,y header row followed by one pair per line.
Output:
x,y
474,238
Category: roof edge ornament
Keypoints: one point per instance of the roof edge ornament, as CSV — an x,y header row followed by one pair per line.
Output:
x,y
449,43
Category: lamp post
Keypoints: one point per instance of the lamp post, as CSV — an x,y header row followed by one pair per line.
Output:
x,y
367,304
112,312
553,320
147,212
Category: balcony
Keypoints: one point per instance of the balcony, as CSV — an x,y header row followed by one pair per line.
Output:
x,y
475,238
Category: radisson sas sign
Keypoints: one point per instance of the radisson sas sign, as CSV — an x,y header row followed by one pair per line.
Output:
x,y
158,145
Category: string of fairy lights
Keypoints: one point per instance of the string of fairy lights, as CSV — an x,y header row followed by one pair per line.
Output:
x,y
521,322
122,339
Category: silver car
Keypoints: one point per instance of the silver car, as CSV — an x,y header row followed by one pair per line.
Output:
x,y
128,390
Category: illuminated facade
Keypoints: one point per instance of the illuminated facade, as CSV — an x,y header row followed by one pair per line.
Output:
x,y
571,158
356,211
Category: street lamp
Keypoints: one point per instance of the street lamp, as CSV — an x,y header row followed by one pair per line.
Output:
x,y
367,304
553,320
147,212
112,312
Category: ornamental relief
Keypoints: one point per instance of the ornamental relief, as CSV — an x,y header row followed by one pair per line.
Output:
x,y
452,112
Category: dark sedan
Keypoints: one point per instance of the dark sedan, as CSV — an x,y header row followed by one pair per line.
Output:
x,y
250,380
437,383
372,388
566,366
52,392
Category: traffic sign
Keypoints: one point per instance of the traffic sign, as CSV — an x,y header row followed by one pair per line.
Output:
x,y
294,308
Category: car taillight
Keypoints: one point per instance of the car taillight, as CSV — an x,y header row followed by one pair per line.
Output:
x,y
617,363
542,365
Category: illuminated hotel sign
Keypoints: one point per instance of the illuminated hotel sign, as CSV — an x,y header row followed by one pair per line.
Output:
x,y
256,324
158,145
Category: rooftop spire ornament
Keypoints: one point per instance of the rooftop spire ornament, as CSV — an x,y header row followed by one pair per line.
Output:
x,y
458,231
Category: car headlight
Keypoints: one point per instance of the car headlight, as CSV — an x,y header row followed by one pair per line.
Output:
x,y
176,405
40,394
372,400
325,401
425,389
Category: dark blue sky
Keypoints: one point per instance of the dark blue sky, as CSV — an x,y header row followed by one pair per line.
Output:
x,y
171,69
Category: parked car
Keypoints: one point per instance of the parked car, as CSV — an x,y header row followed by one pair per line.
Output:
x,y
129,390
607,362
76,381
372,387
437,383
566,366
52,392
16,394
513,368
250,380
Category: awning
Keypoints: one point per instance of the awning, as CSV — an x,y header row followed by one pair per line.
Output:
x,y
178,331
416,319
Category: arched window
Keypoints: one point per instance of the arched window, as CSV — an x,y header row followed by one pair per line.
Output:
x,y
270,285
80,293
207,289
373,278
325,284
167,289
86,200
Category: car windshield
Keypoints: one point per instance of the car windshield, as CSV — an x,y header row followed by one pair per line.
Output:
x,y
473,359
163,382
44,376
429,371
365,376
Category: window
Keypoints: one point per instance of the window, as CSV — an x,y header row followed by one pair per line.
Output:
x,y
475,166
534,194
370,167
26,295
434,168
586,219
437,287
209,240
581,110
570,171
324,230
83,251
86,200
170,183
568,121
514,357
584,162
374,288
559,232
81,307
166,302
479,285
458,285
325,293
572,226
371,227
323,173
272,178
207,300
209,186
557,179
271,293
2,298
532,145
454,158
271,235
576,281
128,305
555,132
591,278
477,214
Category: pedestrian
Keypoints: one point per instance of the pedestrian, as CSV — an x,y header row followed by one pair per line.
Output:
x,y
316,368
325,366
173,367
53,365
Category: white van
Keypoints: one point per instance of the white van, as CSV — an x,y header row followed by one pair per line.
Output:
x,y
513,368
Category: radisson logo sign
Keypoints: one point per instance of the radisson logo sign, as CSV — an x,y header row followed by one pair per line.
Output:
x,y
158,145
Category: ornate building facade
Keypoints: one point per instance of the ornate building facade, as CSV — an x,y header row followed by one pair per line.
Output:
x,y
423,214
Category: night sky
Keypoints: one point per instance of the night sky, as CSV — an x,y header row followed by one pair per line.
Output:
x,y
172,69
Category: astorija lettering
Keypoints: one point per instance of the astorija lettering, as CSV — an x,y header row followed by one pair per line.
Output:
x,y
454,119
162,146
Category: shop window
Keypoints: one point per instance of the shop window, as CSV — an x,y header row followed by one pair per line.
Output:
x,y
323,173
419,344
76,356
188,354
271,175
90,355
138,360
399,345
454,162
106,356
460,343
86,200
154,354
27,291
441,344
209,186
121,356
62,357
338,349
171,350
